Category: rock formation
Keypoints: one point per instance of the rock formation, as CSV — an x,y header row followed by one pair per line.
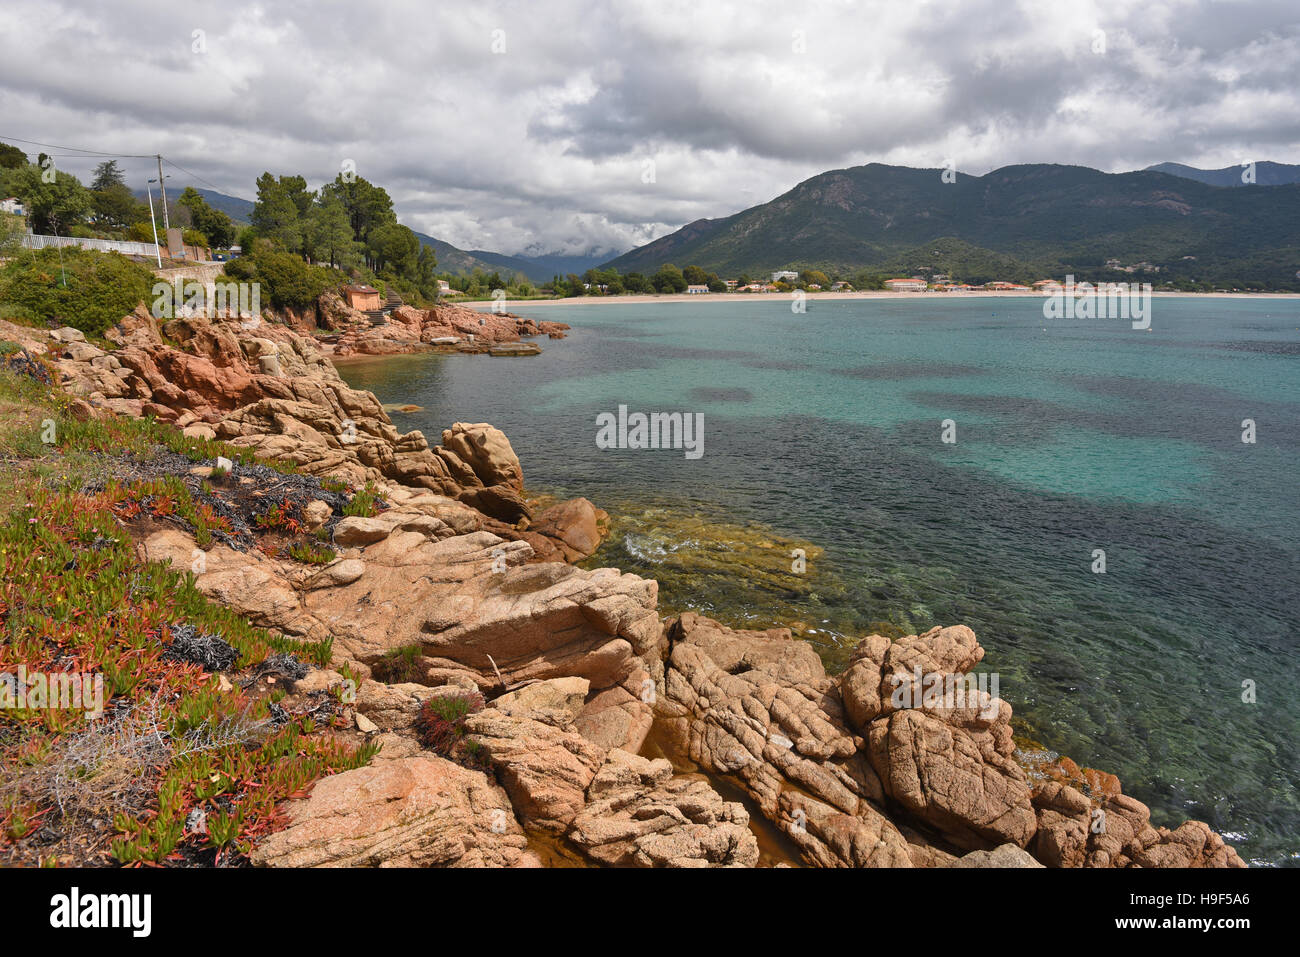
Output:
x,y
445,327
271,389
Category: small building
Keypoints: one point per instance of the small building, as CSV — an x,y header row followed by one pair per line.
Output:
x,y
785,274
905,285
1001,286
361,297
12,205
444,287
731,284
841,287
695,290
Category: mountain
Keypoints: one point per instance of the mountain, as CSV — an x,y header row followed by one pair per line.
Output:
x,y
1045,219
1266,174
239,210
452,259
561,264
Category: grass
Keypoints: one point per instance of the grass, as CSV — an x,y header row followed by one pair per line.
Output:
x,y
440,726
399,665
310,554
364,503
183,767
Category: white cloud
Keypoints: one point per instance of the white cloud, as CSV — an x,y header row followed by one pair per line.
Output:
x,y
543,147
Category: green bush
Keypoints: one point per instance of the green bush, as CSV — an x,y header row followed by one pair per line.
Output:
x,y
144,233
286,280
80,288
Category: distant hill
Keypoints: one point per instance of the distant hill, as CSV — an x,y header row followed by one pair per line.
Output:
x,y
237,209
450,259
539,269
240,210
1266,174
1031,220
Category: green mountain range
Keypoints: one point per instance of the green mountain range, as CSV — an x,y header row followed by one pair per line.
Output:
x,y
1018,222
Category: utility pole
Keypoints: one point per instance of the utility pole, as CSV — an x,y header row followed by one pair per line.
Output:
x,y
154,223
162,187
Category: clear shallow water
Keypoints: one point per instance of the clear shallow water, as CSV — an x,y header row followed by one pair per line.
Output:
x,y
822,431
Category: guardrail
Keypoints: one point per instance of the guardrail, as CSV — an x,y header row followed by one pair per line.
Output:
x,y
32,241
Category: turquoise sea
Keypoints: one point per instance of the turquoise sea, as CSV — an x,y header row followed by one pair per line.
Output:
x,y
823,431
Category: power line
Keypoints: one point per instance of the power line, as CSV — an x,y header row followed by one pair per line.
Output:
x,y
78,150
188,173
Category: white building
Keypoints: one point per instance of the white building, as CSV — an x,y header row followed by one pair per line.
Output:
x,y
785,274
696,290
905,285
11,205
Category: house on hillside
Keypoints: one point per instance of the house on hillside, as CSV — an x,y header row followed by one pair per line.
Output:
x,y
905,285
361,297
12,205
785,274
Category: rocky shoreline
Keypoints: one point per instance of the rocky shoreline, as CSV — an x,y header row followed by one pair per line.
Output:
x,y
574,720
445,328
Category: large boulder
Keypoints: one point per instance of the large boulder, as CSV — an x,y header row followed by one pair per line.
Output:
x,y
759,706
953,780
419,811
487,451
640,815
545,769
576,526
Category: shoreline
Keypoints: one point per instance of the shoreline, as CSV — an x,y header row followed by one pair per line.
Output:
x,y
639,299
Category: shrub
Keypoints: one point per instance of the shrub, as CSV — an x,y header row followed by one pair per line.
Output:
x,y
288,281
309,554
365,504
440,725
400,664
76,287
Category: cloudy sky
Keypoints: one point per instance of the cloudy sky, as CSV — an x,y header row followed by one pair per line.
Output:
x,y
565,125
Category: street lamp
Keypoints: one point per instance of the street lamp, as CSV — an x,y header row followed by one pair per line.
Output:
x,y
153,222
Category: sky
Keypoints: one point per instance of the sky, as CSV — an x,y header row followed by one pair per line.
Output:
x,y
571,126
